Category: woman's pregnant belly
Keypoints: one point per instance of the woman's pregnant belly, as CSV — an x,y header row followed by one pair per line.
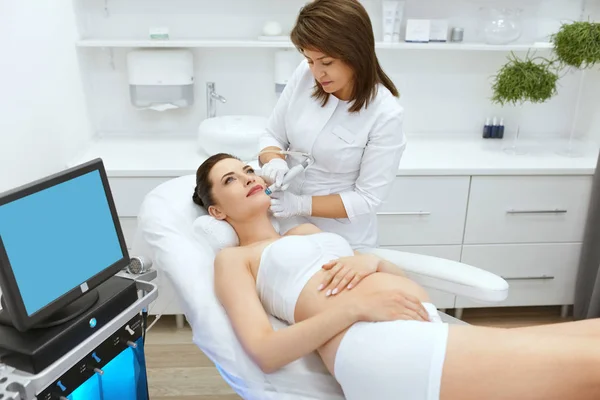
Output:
x,y
311,302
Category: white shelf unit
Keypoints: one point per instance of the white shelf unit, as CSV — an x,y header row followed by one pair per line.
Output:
x,y
241,43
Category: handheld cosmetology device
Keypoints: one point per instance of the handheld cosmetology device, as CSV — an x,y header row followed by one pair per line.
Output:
x,y
293,172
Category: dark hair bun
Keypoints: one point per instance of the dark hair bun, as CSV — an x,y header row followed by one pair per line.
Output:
x,y
197,198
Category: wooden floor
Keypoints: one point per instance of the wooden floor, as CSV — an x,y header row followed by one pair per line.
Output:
x,y
177,369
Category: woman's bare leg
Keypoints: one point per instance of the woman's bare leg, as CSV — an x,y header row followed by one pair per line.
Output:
x,y
588,327
494,364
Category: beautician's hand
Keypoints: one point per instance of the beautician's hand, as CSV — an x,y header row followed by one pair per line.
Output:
x,y
347,272
287,204
275,170
390,305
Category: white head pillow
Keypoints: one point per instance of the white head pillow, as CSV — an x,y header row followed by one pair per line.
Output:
x,y
220,234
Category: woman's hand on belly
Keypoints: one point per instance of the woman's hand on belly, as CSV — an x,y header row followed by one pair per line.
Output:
x,y
347,272
379,297
390,305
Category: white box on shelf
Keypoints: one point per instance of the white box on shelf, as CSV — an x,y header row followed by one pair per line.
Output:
x,y
438,31
417,30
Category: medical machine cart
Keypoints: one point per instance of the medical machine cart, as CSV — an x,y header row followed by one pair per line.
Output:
x,y
109,364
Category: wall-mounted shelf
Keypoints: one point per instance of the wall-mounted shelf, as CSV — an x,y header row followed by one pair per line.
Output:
x,y
232,43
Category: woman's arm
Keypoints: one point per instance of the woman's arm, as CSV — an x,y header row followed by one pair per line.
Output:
x,y
384,265
270,350
378,168
329,206
387,266
269,155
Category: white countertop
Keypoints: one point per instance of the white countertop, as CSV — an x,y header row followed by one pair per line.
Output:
x,y
425,155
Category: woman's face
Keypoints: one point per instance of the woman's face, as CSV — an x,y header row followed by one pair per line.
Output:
x,y
238,193
334,75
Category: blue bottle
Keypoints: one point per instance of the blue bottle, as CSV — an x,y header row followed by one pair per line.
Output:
x,y
494,133
487,129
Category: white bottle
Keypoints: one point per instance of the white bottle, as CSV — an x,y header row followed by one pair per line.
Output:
x,y
390,9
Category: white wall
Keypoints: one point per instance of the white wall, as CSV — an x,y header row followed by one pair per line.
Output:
x,y
43,115
442,91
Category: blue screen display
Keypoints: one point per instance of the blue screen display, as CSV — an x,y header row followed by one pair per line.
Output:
x,y
58,238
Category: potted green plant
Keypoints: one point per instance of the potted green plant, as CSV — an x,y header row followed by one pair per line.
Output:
x,y
530,80
576,46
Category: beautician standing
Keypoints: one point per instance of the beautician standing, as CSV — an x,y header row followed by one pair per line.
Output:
x,y
340,107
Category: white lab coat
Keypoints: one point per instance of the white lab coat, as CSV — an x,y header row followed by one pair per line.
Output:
x,y
356,155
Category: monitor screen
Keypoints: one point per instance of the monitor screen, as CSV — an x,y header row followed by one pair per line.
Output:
x,y
58,238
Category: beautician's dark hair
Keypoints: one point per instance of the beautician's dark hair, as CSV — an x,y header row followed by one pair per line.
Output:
x,y
203,191
342,29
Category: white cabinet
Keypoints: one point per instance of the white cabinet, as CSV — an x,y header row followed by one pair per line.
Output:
x,y
426,215
527,229
538,274
424,211
541,209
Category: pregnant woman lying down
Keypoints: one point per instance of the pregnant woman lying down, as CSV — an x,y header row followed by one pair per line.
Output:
x,y
378,335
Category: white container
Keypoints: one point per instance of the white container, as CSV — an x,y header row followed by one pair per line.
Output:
x,y
161,78
398,21
417,30
390,11
237,135
438,30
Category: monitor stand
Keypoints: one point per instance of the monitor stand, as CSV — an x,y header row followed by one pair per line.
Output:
x,y
67,313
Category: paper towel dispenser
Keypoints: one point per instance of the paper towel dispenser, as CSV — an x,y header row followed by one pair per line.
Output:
x,y
161,79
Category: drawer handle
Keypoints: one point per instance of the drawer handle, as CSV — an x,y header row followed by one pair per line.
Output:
x,y
404,213
528,278
556,211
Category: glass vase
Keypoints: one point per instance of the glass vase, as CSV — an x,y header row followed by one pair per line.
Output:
x,y
515,148
501,25
571,149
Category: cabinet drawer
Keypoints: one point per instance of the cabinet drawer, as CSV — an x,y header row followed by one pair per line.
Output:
x,y
128,226
527,209
129,193
538,274
424,211
439,298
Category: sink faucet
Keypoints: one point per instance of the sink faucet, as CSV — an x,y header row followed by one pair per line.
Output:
x,y
211,97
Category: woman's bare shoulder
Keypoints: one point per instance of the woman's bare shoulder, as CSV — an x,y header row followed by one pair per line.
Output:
x,y
232,255
303,229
